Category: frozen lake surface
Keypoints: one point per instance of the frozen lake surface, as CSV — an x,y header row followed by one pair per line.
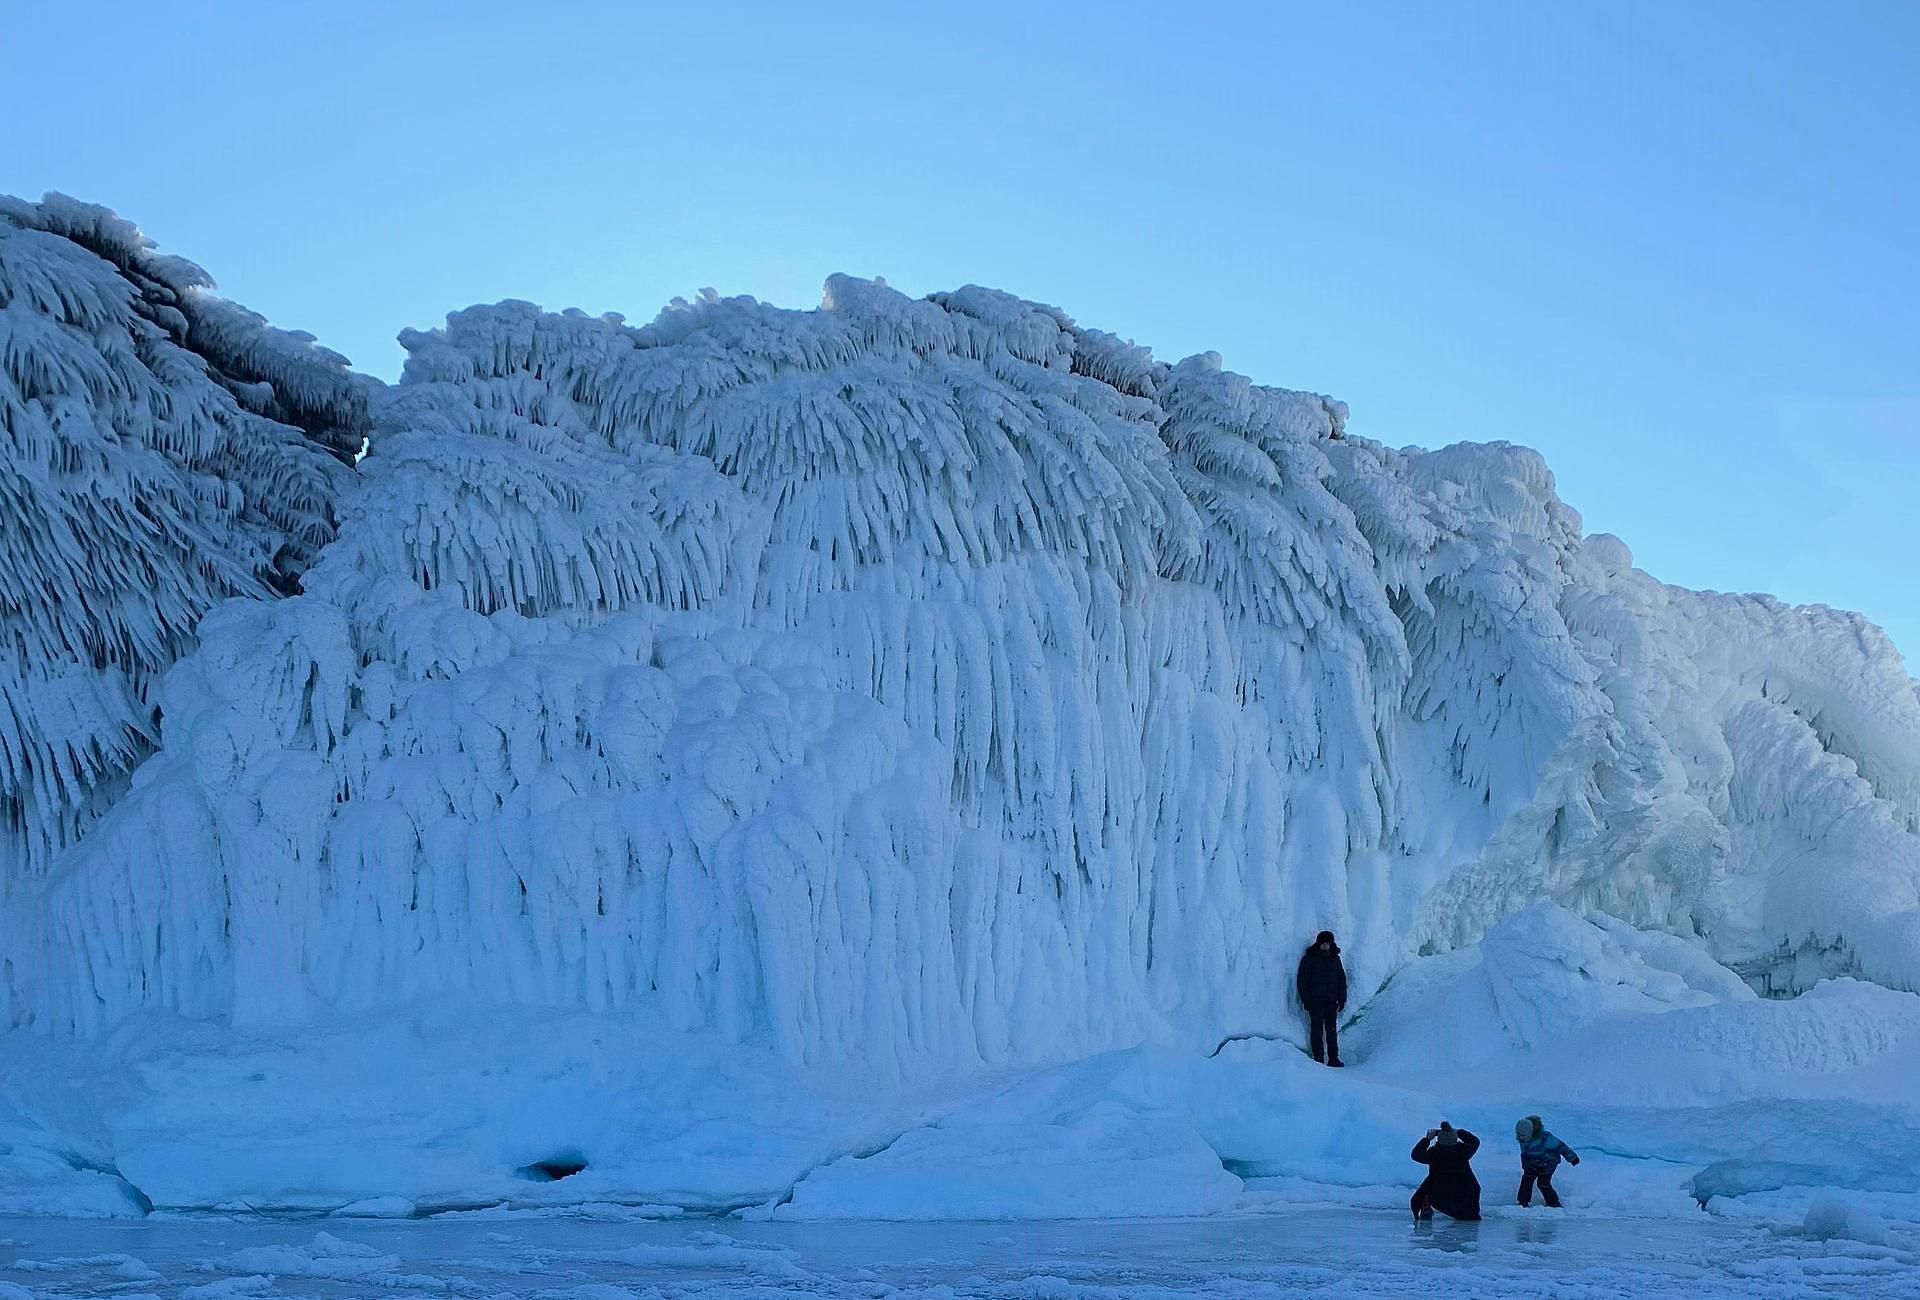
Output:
x,y
1343,1252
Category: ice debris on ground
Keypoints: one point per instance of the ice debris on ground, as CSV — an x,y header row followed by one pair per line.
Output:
x,y
1830,1217
1350,1253
890,698
326,1256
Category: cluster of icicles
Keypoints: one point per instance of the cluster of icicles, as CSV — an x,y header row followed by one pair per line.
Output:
x,y
915,681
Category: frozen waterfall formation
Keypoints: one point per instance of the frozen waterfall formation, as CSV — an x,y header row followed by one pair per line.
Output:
x,y
909,682
165,451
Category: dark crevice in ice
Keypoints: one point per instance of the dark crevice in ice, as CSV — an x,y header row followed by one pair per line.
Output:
x,y
562,1164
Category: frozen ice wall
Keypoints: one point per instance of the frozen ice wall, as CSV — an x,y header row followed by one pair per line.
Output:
x,y
922,682
164,450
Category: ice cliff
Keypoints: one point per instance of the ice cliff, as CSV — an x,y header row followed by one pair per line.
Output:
x,y
164,451
909,682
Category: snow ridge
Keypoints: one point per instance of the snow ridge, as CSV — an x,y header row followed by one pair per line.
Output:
x,y
921,682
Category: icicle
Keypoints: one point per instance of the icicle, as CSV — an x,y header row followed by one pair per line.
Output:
x,y
911,682
136,494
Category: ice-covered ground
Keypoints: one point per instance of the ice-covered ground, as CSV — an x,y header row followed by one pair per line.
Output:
x,y
1260,1252
1681,1089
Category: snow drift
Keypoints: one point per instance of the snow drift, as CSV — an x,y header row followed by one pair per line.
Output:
x,y
1747,1104
902,687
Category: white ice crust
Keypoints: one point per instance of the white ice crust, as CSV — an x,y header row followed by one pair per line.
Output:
x,y
907,689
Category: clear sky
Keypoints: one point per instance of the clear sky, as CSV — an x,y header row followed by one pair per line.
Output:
x,y
1670,245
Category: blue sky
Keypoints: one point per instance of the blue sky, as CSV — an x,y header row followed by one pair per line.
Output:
x,y
1671,246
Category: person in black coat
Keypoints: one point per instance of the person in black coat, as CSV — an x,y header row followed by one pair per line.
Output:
x,y
1450,1186
1321,984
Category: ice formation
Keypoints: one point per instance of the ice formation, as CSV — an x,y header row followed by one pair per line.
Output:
x,y
910,684
165,451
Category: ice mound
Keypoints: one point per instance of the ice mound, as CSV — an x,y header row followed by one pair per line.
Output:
x,y
1142,1132
939,682
326,1256
1542,973
1648,1016
898,695
1830,1217
1096,1159
429,1110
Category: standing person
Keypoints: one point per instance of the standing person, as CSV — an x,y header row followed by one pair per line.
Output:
x,y
1540,1153
1321,984
1450,1186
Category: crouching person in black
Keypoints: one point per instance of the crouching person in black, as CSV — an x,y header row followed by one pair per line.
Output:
x,y
1450,1186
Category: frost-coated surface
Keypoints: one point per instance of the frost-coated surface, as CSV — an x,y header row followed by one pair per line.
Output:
x,y
1345,1253
151,469
934,681
890,699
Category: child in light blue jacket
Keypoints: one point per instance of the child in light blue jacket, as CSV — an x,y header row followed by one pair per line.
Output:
x,y
1540,1154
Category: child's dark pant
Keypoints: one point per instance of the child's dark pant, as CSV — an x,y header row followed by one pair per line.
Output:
x,y
1528,1178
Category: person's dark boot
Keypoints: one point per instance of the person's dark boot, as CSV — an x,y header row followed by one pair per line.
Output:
x,y
1337,1064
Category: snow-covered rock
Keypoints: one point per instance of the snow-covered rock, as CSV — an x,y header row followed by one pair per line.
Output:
x,y
902,694
936,681
164,450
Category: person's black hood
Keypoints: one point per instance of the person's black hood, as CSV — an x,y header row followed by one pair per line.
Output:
x,y
1326,937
